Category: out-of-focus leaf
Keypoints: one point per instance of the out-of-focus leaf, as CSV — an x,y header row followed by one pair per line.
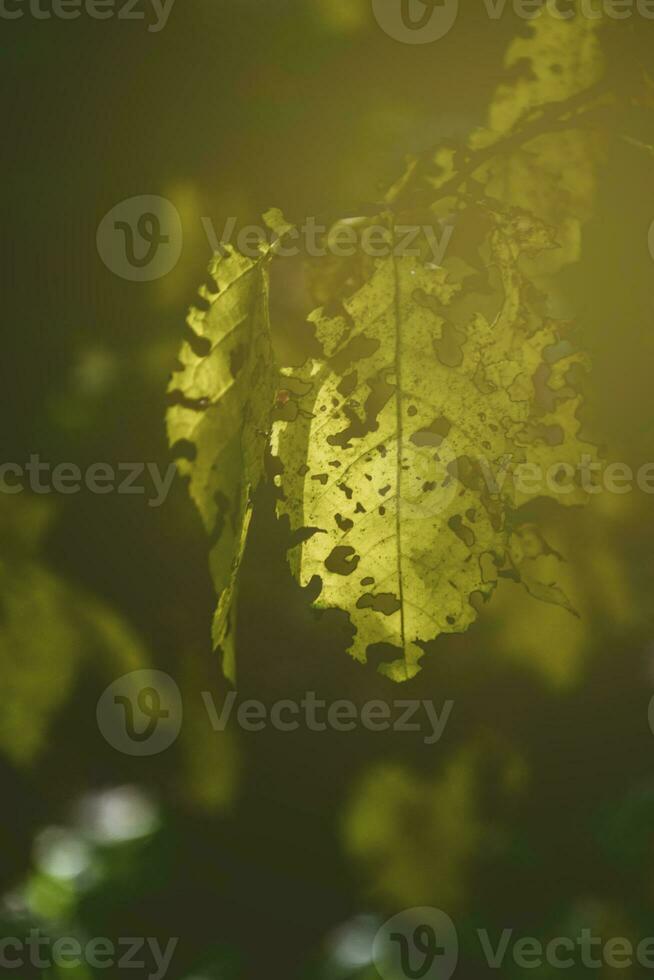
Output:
x,y
542,142
416,837
47,629
575,553
208,780
553,175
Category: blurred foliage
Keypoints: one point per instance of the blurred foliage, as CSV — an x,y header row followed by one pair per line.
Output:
x,y
397,819
595,578
41,614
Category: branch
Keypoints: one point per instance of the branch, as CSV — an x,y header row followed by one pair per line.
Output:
x,y
573,113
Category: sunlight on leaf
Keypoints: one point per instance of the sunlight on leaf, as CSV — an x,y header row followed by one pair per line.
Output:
x,y
387,458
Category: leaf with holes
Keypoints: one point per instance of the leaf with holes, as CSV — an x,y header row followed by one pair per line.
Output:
x,y
399,453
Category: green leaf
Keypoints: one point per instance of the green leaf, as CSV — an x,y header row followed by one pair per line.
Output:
x,y
392,448
221,399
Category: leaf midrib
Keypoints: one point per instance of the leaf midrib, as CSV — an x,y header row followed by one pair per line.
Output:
x,y
400,445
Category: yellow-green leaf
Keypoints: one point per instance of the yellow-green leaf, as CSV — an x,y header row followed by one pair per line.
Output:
x,y
221,399
394,452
